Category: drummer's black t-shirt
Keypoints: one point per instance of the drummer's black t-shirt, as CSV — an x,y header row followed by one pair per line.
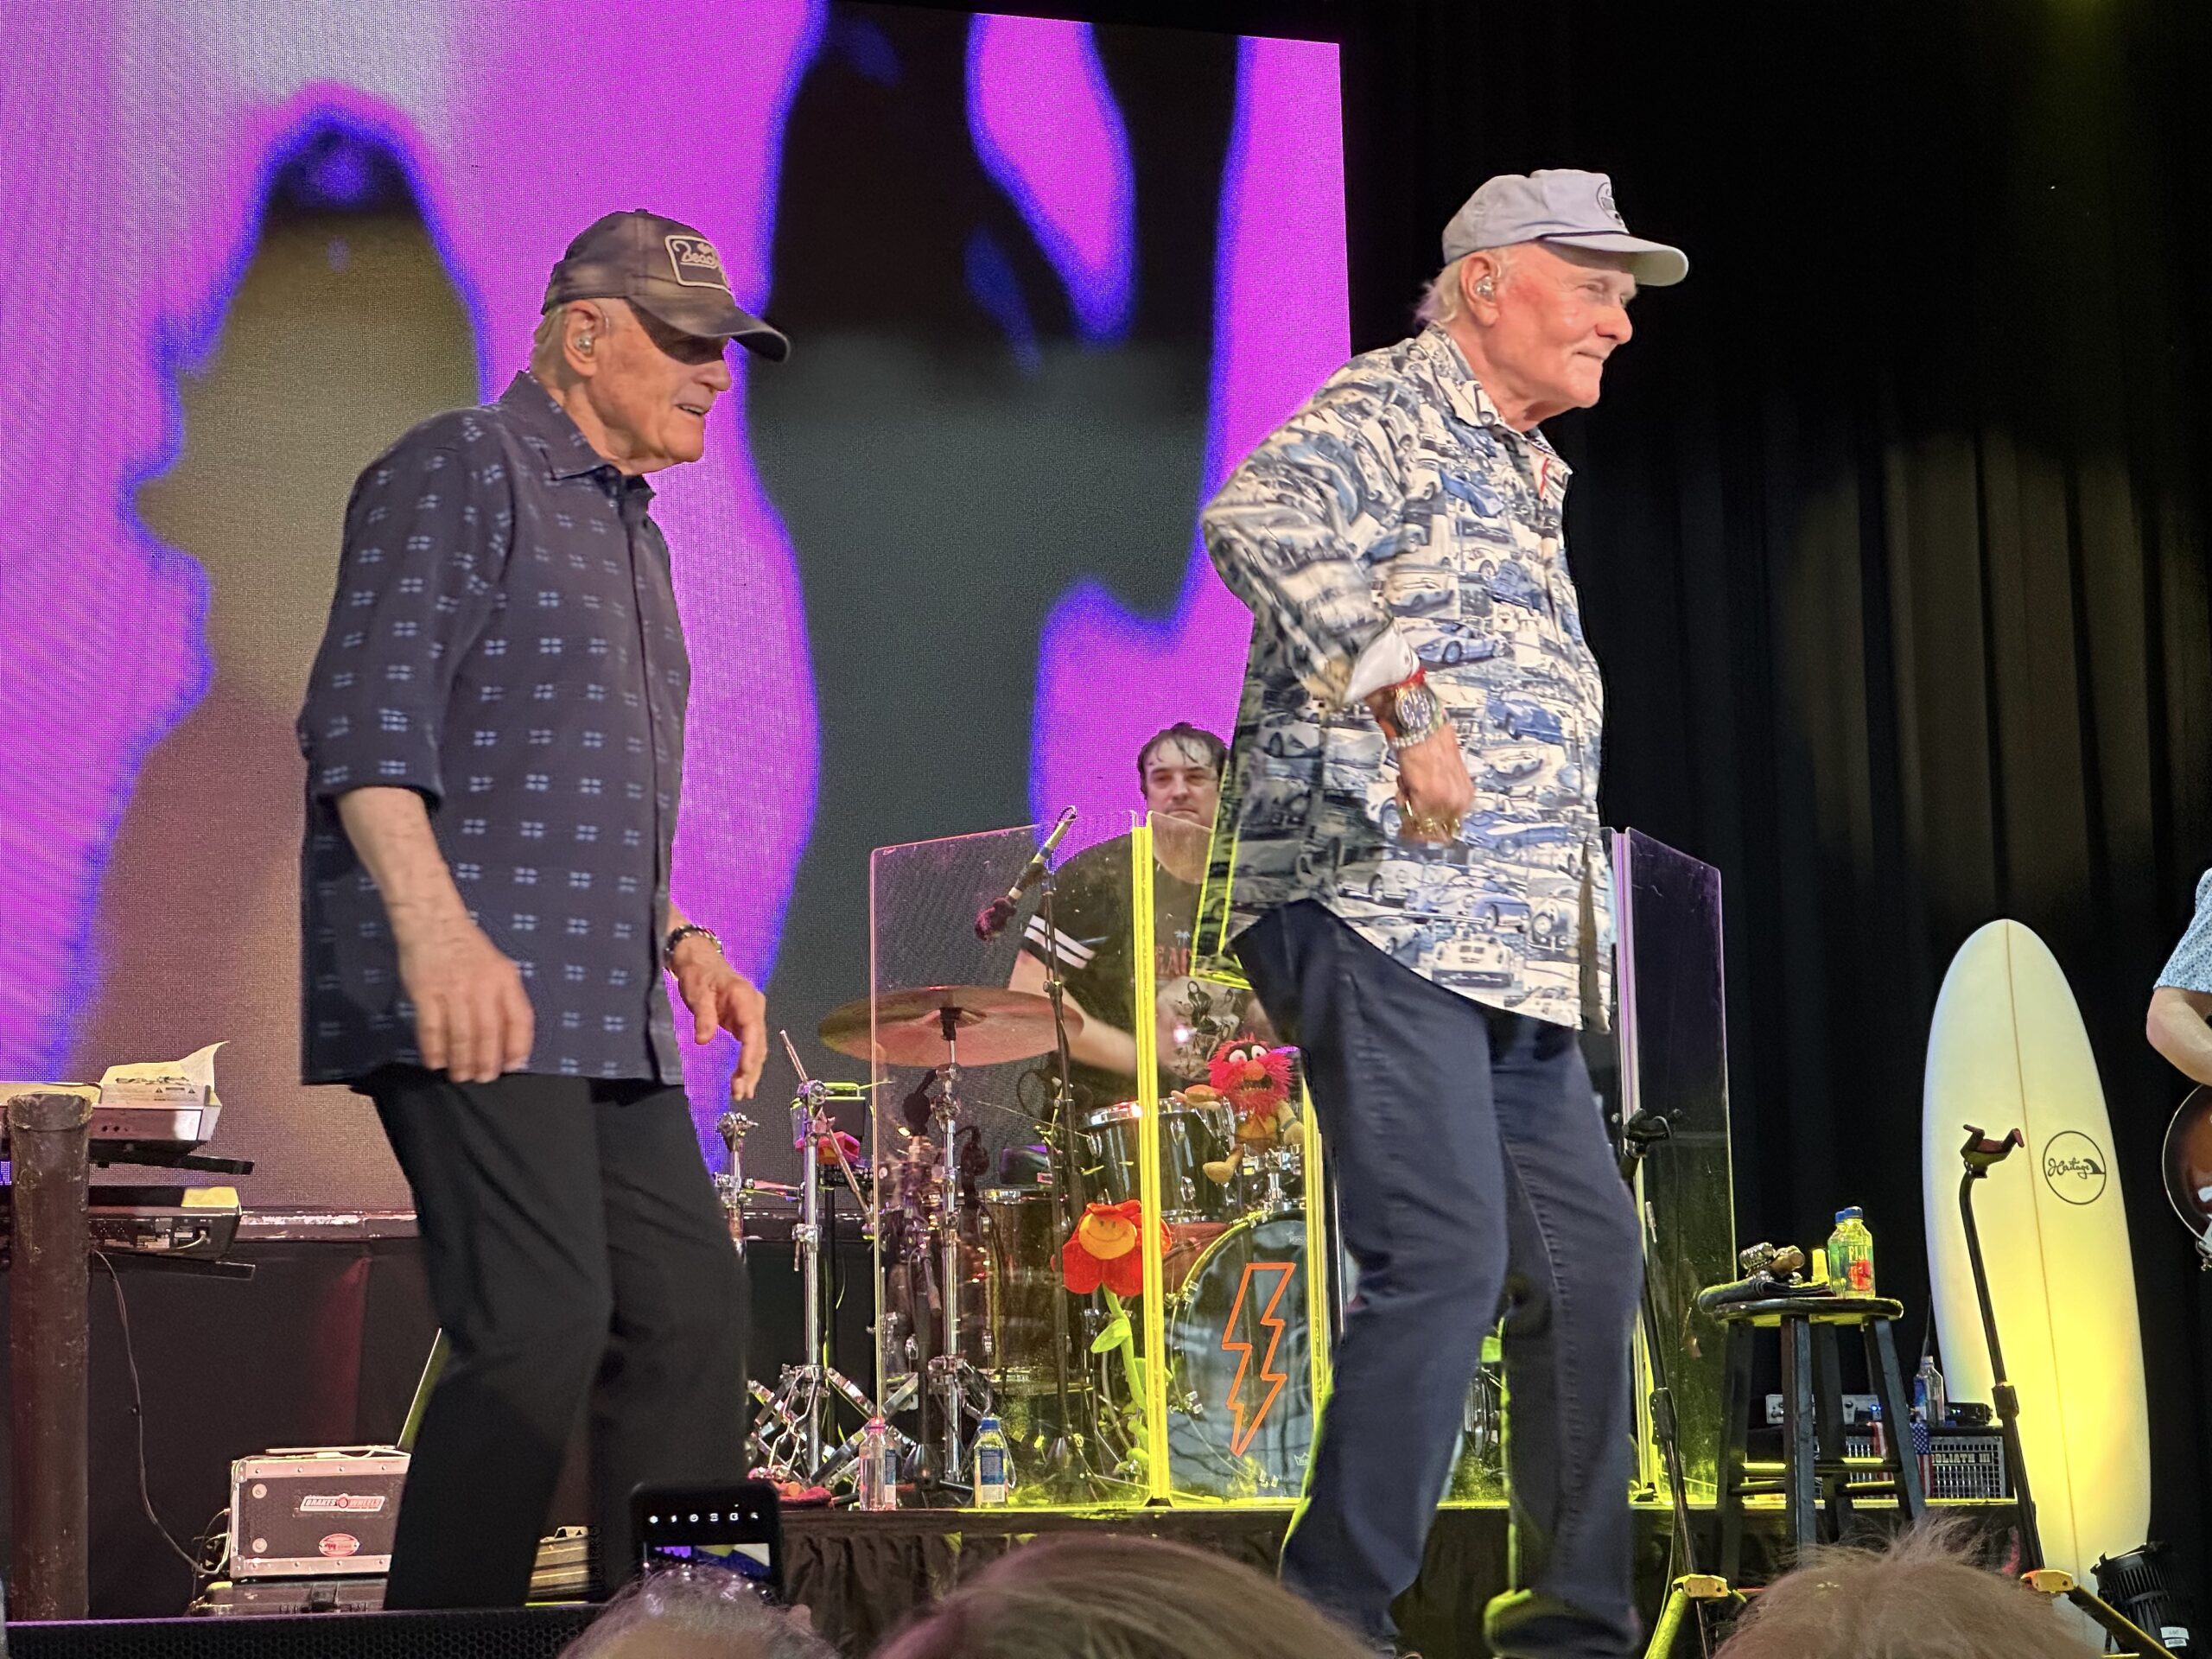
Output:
x,y
1092,911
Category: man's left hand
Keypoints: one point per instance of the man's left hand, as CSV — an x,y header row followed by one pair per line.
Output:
x,y
721,999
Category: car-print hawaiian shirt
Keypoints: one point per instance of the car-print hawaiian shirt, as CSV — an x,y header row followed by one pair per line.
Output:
x,y
1397,502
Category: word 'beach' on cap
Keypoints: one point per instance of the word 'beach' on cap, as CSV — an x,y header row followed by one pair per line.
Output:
x,y
1558,205
664,268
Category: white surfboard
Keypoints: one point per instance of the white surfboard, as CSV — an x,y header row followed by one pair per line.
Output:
x,y
2007,1050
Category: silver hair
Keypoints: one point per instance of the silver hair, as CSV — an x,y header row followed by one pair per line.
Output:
x,y
1440,301
704,1602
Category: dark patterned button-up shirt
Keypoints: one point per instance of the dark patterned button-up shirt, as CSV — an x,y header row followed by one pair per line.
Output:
x,y
1397,503
504,641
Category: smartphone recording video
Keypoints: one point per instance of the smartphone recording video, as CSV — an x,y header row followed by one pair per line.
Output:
x,y
734,1527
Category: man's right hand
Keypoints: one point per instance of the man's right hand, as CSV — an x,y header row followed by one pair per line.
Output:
x,y
473,1021
1433,787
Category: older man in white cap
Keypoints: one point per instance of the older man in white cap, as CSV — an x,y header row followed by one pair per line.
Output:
x,y
1420,898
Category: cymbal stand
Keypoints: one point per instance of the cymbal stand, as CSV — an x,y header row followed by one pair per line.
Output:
x,y
789,1438
960,1388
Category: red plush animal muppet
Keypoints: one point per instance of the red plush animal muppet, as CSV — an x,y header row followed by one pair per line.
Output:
x,y
1255,1080
1102,1250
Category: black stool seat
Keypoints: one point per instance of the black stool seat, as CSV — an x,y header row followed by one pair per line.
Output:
x,y
1813,1474
1769,1311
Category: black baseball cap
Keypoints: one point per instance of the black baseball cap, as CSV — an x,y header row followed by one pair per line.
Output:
x,y
663,267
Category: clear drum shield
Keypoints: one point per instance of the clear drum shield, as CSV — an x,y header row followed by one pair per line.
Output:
x,y
1240,1318
986,1233
1674,1064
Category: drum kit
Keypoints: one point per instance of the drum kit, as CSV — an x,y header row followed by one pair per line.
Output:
x,y
974,1317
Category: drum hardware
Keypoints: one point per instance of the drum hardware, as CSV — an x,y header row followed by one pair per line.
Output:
x,y
959,1387
788,1441
729,1186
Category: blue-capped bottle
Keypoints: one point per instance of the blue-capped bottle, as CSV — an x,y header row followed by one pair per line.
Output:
x,y
993,1473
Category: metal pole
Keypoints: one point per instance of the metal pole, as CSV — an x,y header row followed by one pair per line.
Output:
x,y
2003,1396
807,1236
47,1344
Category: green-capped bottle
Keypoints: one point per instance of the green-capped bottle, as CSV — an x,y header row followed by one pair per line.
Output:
x,y
1851,1254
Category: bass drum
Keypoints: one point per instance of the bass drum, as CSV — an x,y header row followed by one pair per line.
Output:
x,y
1240,1390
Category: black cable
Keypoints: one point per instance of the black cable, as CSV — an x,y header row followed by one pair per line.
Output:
x,y
214,1538
138,1411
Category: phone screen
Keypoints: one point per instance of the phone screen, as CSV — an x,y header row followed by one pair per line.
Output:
x,y
735,1528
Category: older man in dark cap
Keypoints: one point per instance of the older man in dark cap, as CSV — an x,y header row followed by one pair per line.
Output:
x,y
1420,898
494,739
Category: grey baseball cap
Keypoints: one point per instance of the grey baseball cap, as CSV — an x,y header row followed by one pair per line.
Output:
x,y
664,267
1558,205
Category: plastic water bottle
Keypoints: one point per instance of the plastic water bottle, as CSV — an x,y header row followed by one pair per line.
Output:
x,y
1928,1393
993,1475
878,1486
1851,1254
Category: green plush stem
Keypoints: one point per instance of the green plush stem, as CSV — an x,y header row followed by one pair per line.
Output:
x,y
1128,1345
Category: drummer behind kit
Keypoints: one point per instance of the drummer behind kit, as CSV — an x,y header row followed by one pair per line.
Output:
x,y
974,1317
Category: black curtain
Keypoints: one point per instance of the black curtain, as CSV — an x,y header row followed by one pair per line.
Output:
x,y
1890,530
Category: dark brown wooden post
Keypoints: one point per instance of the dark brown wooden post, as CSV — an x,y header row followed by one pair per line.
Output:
x,y
48,1345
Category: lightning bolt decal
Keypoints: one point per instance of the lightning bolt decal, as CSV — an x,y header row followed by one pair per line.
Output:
x,y
1242,1429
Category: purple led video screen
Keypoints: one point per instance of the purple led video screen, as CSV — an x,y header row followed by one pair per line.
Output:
x,y
1045,283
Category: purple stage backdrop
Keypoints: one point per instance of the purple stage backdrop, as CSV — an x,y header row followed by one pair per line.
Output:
x,y
136,162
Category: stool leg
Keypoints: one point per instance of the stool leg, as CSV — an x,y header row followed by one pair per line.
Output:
x,y
1897,1408
1800,1479
1828,1419
1736,1407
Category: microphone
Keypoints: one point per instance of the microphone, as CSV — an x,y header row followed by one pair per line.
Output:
x,y
991,920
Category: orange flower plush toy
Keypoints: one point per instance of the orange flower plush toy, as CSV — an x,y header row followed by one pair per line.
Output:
x,y
1102,1250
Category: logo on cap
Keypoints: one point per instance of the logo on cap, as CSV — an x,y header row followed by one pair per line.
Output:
x,y
696,263
1605,202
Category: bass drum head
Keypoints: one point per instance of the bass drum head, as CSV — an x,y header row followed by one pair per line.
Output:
x,y
1240,1421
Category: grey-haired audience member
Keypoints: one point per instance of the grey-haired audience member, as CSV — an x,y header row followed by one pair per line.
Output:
x,y
1919,1596
695,1614
1117,1598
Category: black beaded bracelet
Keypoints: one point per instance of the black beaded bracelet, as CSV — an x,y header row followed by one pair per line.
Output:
x,y
678,935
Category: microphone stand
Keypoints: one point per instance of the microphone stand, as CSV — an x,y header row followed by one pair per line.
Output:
x,y
1981,1154
1690,1593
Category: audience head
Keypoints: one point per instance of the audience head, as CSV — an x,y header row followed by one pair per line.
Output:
x,y
1922,1597
1115,1597
694,1613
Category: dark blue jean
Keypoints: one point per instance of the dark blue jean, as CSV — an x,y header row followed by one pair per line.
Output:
x,y
1471,1164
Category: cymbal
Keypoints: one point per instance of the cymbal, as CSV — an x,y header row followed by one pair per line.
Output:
x,y
994,1025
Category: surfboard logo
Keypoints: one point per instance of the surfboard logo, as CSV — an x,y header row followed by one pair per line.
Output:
x,y
2073,1168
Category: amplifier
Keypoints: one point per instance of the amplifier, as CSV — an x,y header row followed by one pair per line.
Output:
x,y
311,1512
1961,1462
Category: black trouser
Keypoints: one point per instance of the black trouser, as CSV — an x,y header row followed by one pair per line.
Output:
x,y
575,1250
1469,1158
